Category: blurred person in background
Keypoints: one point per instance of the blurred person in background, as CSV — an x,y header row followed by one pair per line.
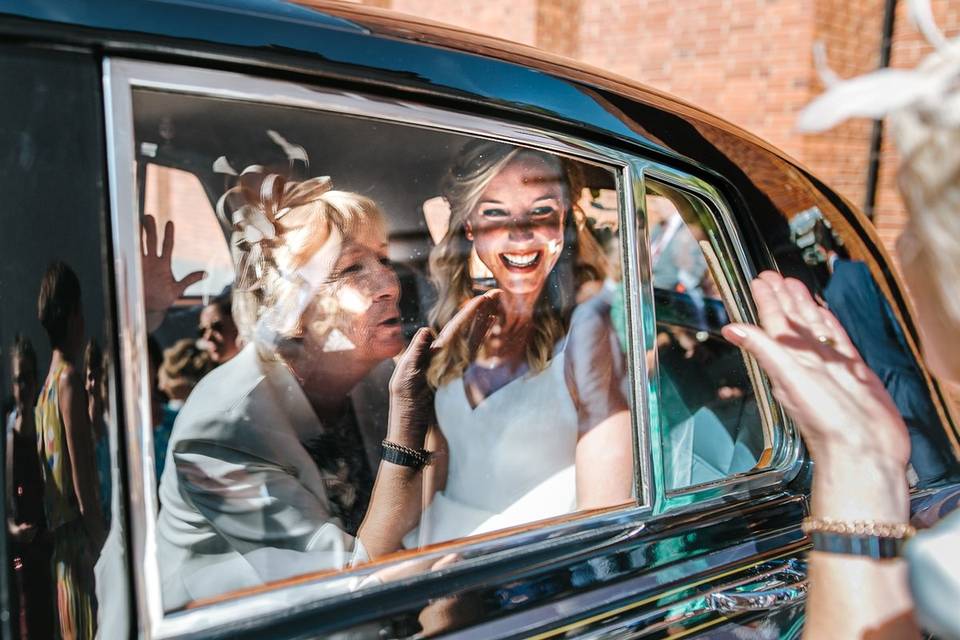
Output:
x,y
218,331
66,456
183,365
26,524
854,298
860,587
93,384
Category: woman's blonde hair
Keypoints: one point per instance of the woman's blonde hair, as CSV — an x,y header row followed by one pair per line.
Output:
x,y
581,259
286,238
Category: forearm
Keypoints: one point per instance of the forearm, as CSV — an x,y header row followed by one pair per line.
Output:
x,y
604,460
397,497
394,509
853,596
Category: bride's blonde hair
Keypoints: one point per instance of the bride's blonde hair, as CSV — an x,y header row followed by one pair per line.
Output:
x,y
581,258
279,228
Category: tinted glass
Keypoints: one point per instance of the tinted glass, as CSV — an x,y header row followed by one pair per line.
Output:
x,y
65,563
708,409
424,340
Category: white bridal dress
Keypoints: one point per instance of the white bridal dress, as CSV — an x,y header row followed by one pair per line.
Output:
x,y
511,457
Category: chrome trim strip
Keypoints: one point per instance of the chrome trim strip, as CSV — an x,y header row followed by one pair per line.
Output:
x,y
646,590
131,328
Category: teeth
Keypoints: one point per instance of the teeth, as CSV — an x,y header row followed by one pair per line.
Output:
x,y
520,259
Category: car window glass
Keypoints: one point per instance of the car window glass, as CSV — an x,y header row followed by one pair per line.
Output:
x,y
424,340
709,417
63,514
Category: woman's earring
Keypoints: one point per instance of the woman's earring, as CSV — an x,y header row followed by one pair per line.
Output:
x,y
468,232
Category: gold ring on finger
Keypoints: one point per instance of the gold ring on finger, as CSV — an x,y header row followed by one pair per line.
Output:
x,y
826,340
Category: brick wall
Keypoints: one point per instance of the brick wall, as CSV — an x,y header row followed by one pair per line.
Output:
x,y
749,61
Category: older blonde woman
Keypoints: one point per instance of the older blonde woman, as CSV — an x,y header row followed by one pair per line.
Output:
x,y
265,475
529,400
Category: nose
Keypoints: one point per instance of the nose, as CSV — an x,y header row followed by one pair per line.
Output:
x,y
386,284
520,228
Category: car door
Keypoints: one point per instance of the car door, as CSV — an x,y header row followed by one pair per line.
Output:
x,y
58,341
711,533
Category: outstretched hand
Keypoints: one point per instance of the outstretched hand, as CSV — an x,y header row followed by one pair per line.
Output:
x,y
476,317
411,397
161,289
840,405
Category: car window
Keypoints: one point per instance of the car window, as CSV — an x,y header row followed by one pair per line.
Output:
x,y
424,340
65,570
710,421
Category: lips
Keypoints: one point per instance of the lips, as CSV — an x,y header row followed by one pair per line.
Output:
x,y
393,321
525,261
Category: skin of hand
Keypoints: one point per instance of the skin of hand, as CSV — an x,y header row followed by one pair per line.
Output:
x,y
860,448
398,491
161,289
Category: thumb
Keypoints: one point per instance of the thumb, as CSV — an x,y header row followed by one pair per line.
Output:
x,y
768,353
192,278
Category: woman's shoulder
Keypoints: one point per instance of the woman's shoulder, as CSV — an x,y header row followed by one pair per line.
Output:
x,y
591,317
222,398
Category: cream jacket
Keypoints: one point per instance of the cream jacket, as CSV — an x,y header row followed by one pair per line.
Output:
x,y
242,501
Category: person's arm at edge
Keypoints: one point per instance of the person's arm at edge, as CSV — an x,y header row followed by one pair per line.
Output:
x,y
859,446
604,453
73,408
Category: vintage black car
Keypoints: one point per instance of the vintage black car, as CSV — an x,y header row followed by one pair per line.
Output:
x,y
121,115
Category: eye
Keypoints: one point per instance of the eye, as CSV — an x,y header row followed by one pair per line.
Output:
x,y
494,213
543,211
353,267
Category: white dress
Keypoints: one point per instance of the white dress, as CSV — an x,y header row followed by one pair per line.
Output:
x,y
511,457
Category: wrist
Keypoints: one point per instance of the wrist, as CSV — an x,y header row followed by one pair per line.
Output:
x,y
404,437
860,489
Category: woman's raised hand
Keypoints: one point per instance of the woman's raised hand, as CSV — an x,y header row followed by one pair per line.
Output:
x,y
161,289
411,398
840,405
476,317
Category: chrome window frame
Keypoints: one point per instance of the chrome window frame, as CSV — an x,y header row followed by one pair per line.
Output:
x,y
120,78
736,262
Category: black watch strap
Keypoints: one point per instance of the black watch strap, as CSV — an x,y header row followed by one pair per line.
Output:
x,y
404,456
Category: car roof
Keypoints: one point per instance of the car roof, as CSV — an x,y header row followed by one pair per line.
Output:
x,y
429,55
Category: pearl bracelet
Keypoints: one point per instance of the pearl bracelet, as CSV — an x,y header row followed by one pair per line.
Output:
x,y
878,540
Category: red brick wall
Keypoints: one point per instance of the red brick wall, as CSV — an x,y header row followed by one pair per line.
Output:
x,y
909,47
749,61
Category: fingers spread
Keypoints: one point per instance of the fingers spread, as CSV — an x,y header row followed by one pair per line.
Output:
x,y
149,226
191,279
167,250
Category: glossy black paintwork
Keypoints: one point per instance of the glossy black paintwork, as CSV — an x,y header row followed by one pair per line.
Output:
x,y
627,574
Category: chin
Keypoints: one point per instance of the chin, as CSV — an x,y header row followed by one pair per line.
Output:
x,y
513,285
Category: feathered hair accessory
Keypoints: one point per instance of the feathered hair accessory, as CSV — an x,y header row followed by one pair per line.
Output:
x,y
923,105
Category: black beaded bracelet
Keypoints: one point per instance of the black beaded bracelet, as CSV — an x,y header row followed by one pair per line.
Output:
x,y
404,456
